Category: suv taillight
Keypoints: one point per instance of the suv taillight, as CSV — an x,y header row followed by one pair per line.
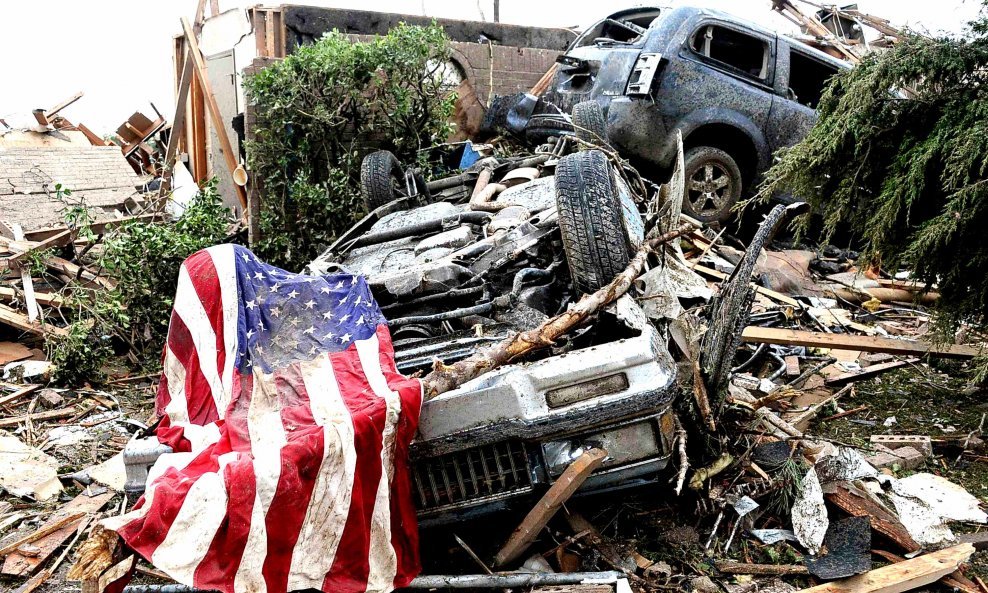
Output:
x,y
640,81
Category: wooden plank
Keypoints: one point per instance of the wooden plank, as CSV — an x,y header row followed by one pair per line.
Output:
x,y
17,564
869,372
269,35
776,296
560,491
57,240
39,114
793,337
178,124
94,138
12,351
27,282
882,521
97,228
76,271
902,576
20,321
45,298
214,110
51,112
49,415
19,394
792,365
39,533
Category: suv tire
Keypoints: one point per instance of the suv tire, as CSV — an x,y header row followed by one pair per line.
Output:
x,y
589,122
543,126
590,220
380,175
713,184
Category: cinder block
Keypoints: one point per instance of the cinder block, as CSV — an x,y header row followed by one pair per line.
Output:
x,y
893,441
903,457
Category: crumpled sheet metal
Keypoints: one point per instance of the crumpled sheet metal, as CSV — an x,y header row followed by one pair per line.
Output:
x,y
926,502
809,514
846,465
662,287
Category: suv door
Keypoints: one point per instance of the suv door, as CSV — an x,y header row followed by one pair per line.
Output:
x,y
721,66
800,81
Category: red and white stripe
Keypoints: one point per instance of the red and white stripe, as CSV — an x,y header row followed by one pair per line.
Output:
x,y
284,481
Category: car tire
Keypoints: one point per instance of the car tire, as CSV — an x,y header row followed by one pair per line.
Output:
x,y
382,180
590,219
589,122
713,184
543,126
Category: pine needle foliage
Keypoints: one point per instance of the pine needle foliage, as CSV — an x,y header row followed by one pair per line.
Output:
x,y
904,171
321,110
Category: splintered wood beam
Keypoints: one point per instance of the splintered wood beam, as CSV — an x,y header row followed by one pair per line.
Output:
x,y
66,520
51,112
869,372
560,491
901,576
27,282
882,521
178,125
20,321
214,110
39,114
793,337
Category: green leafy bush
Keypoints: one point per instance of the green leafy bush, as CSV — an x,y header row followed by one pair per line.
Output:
x,y
905,172
144,259
321,110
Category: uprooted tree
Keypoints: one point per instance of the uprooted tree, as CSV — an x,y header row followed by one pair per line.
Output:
x,y
321,109
898,158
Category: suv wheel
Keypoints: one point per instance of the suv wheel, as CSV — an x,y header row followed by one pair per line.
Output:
x,y
590,219
713,184
588,120
382,180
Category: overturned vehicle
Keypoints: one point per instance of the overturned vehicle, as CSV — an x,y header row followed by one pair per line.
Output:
x,y
455,270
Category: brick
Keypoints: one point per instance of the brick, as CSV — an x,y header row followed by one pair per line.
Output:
x,y
893,441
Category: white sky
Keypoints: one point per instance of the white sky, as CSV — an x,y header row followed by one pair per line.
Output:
x,y
119,52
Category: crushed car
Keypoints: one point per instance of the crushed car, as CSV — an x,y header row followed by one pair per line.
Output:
x,y
462,262
455,270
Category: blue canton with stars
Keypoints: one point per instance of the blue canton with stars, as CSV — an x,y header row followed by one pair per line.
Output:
x,y
286,317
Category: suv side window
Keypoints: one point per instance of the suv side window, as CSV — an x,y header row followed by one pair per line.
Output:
x,y
808,78
739,52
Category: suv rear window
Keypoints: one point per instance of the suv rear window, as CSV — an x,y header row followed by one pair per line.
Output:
x,y
808,77
744,53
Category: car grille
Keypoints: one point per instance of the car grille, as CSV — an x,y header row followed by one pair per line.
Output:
x,y
491,471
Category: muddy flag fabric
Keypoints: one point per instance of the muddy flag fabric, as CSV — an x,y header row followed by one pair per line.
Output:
x,y
290,425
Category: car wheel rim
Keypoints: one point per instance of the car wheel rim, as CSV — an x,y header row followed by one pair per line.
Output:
x,y
710,189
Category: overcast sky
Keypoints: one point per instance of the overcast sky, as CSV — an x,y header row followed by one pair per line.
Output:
x,y
119,52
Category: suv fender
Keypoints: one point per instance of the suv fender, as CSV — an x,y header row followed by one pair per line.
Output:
x,y
718,116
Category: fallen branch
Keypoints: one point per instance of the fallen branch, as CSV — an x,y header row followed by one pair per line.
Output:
x,y
732,567
444,378
684,462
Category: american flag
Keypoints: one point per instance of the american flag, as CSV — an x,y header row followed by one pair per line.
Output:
x,y
291,427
